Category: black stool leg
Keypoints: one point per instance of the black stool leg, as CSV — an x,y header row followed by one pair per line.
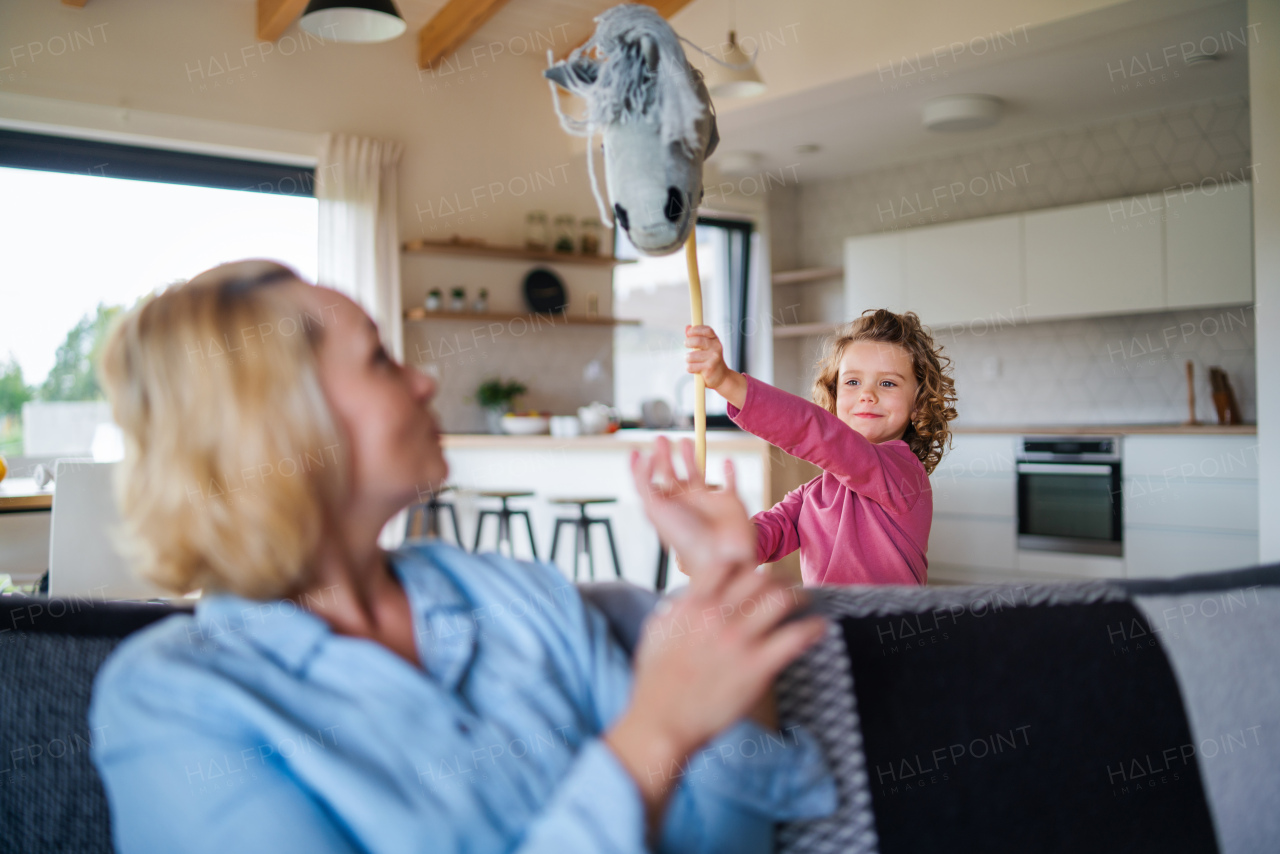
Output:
x,y
579,545
555,538
480,529
432,512
660,582
591,558
613,548
408,523
533,546
457,531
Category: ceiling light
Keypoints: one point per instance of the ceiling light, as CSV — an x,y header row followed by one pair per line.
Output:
x,y
1198,58
962,112
356,21
808,148
740,79
737,162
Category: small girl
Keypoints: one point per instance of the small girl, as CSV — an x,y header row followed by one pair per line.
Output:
x,y
877,428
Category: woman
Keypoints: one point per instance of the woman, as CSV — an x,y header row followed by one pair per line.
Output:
x,y
330,697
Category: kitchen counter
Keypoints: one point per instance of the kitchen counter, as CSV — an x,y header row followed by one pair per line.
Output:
x,y
1112,429
717,440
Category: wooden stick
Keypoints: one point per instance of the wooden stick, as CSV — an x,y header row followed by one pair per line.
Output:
x,y
699,384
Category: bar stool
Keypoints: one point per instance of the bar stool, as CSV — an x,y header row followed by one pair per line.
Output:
x,y
504,522
582,530
424,517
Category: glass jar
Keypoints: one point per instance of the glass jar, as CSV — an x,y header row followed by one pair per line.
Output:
x,y
536,237
565,233
589,241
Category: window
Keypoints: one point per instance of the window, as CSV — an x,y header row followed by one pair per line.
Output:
x,y
649,360
89,228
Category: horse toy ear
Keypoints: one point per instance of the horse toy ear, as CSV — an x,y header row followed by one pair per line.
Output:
x,y
655,118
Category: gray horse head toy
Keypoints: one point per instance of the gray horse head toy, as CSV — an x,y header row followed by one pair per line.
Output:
x,y
655,118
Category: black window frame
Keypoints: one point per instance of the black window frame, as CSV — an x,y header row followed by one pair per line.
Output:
x,y
739,291
72,155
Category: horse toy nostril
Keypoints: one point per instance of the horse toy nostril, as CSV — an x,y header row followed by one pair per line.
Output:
x,y
675,205
622,216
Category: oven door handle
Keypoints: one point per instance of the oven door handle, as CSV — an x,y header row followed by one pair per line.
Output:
x,y
1063,468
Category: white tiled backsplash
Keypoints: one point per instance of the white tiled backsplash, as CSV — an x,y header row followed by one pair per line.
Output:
x,y
1123,369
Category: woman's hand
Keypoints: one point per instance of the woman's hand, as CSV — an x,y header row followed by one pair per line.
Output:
x,y
706,357
708,656
704,526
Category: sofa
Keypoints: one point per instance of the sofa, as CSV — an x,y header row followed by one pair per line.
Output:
x,y
1097,716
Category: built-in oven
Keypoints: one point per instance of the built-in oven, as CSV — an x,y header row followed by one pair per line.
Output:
x,y
1069,495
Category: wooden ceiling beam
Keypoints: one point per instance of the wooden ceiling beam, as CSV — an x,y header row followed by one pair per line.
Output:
x,y
275,16
665,8
451,27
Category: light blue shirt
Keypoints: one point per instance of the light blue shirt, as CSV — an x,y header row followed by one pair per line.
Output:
x,y
252,727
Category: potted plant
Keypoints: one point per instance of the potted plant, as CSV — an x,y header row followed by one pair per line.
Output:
x,y
497,397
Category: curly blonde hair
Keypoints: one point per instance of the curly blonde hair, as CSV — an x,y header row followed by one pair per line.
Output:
x,y
233,460
929,433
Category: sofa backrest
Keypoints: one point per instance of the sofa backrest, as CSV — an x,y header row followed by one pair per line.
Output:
x,y
50,649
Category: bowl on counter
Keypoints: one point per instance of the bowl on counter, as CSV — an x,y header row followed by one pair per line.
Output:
x,y
525,425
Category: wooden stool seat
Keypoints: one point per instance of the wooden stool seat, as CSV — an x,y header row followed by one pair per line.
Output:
x,y
581,500
498,493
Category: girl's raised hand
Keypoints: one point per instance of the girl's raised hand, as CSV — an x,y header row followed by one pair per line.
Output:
x,y
706,355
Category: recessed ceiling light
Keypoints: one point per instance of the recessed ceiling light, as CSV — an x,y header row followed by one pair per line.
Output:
x,y
962,112
808,148
737,162
1199,58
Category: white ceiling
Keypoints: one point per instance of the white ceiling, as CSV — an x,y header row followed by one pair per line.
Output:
x,y
1057,74
1065,74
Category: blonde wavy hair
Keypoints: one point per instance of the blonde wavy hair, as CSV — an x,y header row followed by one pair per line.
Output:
x,y
233,460
929,433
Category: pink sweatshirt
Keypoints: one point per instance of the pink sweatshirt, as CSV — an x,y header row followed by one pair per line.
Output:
x,y
864,520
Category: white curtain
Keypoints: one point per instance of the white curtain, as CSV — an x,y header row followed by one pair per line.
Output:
x,y
356,181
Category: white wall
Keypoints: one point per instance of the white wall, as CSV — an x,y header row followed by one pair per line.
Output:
x,y
1264,85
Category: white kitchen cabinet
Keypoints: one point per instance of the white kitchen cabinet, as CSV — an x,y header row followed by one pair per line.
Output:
x,y
970,548
974,532
1144,253
1190,504
873,273
965,272
1165,552
1092,259
1209,239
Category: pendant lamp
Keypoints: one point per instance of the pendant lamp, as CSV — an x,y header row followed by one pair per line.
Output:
x,y
354,21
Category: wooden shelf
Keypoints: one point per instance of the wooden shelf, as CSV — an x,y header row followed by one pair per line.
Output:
x,y
549,318
507,253
802,330
810,274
